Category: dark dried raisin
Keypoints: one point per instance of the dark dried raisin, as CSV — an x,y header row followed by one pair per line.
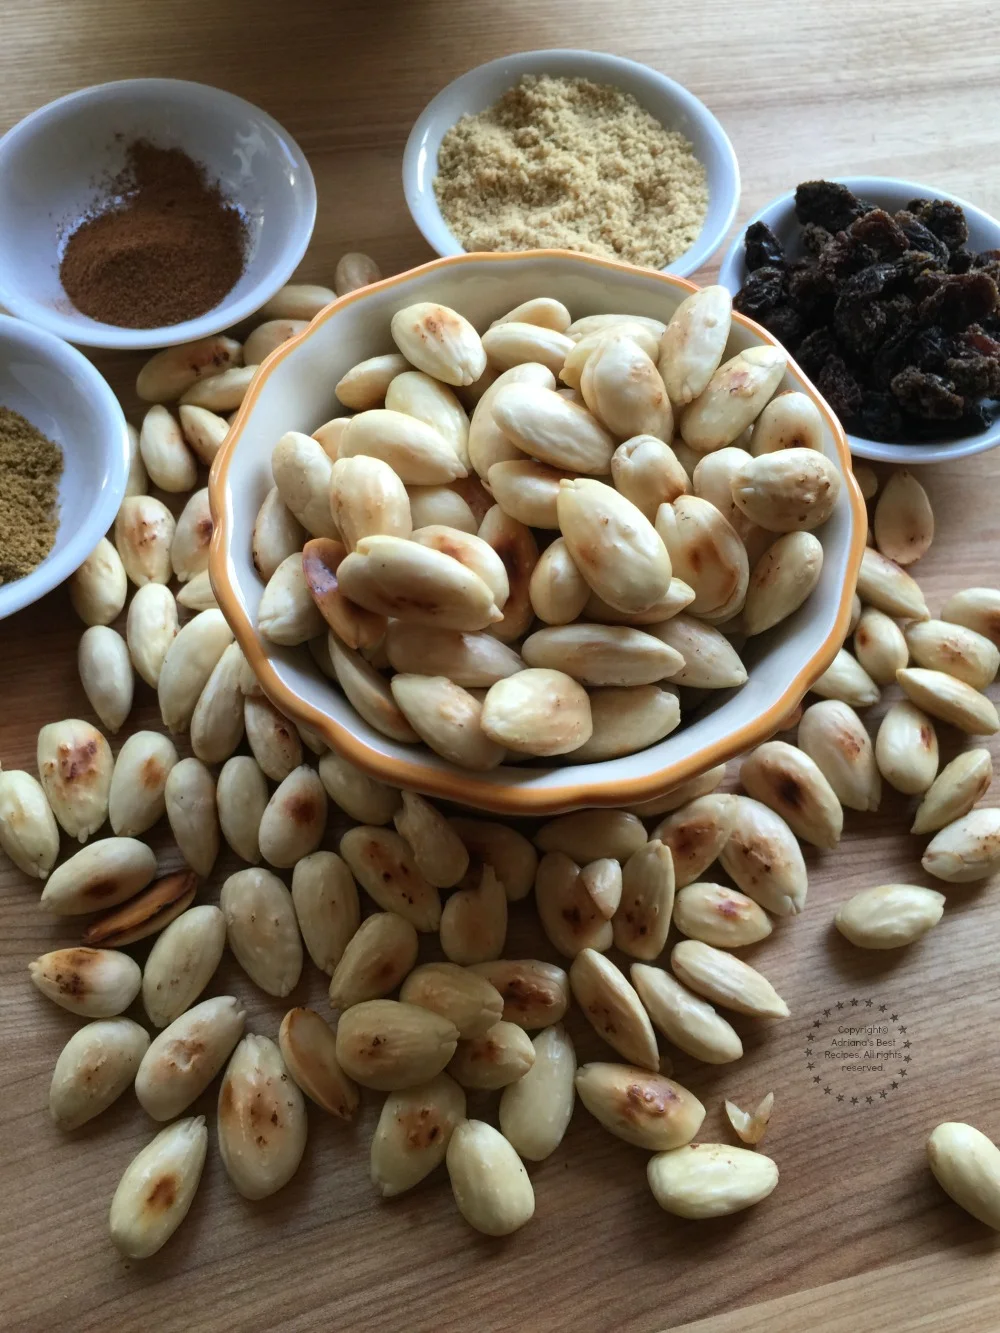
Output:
x,y
975,376
879,417
815,239
815,350
844,256
761,292
961,261
839,387
944,218
960,300
786,324
828,204
921,237
763,247
879,230
924,394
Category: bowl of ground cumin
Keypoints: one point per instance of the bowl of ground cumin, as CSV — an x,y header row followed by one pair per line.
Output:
x,y
64,456
149,212
572,150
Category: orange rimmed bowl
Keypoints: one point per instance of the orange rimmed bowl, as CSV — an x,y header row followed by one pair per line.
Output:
x,y
294,390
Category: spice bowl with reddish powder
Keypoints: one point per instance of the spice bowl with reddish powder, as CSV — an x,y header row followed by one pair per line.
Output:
x,y
149,212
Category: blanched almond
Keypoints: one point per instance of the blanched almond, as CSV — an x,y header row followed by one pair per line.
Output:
x,y
325,899
223,392
889,916
383,864
421,396
966,1164
712,480
880,646
621,385
99,587
309,1049
501,1055
391,576
847,680
273,739
165,376
294,820
387,1045
569,916
751,1128
514,342
552,430
696,834
976,608
834,737
792,490
535,1111
28,831
167,459
188,664
277,534
474,921
487,443
789,421
364,385
602,881
613,1009
144,533
904,519
613,544
261,1119
93,983
217,722
733,397
105,873
182,962
374,961
440,342
885,585
241,795
358,795
710,1179
441,504
719,916
628,718
94,1068
413,1132
951,700
158,1188
439,853
764,859
262,930
601,654
710,660
724,978
534,994
145,914
693,343
302,472
685,1019
75,768
505,849
184,1058
203,431
464,997
488,1179
355,270
150,629
642,919
646,471
353,625
906,749
447,718
954,791
269,335
706,553
136,798
688,791
287,613
643,1108
955,650
588,835
781,580
966,850
790,782
106,674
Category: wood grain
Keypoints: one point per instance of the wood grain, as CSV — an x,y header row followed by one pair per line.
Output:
x,y
857,1235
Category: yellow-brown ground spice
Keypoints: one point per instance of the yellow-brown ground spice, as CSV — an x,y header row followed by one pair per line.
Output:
x,y
575,165
30,468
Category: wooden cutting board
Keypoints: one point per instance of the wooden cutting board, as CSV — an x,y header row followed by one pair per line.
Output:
x,y
857,1236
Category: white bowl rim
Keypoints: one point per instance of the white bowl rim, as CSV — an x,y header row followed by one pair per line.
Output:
x,y
462,786
878,451
220,316
423,205
58,566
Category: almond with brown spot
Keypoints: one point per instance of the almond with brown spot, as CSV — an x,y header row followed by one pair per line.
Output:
x,y
383,864
103,874
643,917
184,1058
535,994
413,1132
75,769
374,961
294,819
262,930
137,796
146,914
158,1188
643,1108
612,1007
502,1055
94,983
474,921
262,1121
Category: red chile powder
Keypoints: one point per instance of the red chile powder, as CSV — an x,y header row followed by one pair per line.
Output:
x,y
168,252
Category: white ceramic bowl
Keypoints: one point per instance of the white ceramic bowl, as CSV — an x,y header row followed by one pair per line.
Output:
x,y
667,101
63,396
49,164
294,391
892,195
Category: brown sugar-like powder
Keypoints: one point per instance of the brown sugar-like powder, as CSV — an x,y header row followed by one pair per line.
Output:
x,y
30,468
575,165
167,251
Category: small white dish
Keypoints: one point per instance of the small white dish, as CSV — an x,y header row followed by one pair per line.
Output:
x,y
670,103
58,390
52,164
891,194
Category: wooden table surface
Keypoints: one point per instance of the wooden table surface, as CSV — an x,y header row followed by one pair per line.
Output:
x,y
857,1235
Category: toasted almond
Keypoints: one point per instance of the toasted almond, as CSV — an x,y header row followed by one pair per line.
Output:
x,y
144,532
287,613
515,342
150,629
710,1179
217,722
358,795
439,853
169,463
184,1058
734,396
847,680
601,880
471,660
535,1111
353,625
621,385
790,782
28,830
966,1164
75,768
949,699
106,674
487,443
954,791
355,270
158,1188
789,421
94,1068
417,453
103,874
325,899
146,914
646,471
904,519
710,660
764,859
93,983
136,798
505,849
885,585
413,1132
488,1179
726,979
642,919
538,712
261,1119
834,737
880,646
269,335
302,472
385,1044
471,551
696,834
955,650
165,376
441,505
693,343
500,1056
182,962
447,718
590,834
706,553
906,749
309,1049
889,916
374,960
273,739
418,395
686,1020
474,921
976,608
626,719
440,342
188,664
203,431
719,916
613,544
262,930
792,490
383,864
241,795
99,587
294,820
552,430
568,913
535,994
703,785
965,850
515,544
464,997
613,1009
781,580
601,654
643,1108
223,392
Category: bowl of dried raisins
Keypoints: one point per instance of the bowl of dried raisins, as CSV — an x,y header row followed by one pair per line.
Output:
x,y
887,293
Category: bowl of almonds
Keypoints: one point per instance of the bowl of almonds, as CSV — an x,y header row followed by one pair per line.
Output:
x,y
533,532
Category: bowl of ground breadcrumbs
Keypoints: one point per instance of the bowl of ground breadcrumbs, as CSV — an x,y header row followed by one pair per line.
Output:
x,y
64,458
572,150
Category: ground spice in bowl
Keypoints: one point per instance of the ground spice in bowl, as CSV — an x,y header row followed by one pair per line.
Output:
x,y
30,468
165,246
574,165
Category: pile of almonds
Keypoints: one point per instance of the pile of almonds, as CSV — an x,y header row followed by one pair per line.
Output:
x,y
466,1019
